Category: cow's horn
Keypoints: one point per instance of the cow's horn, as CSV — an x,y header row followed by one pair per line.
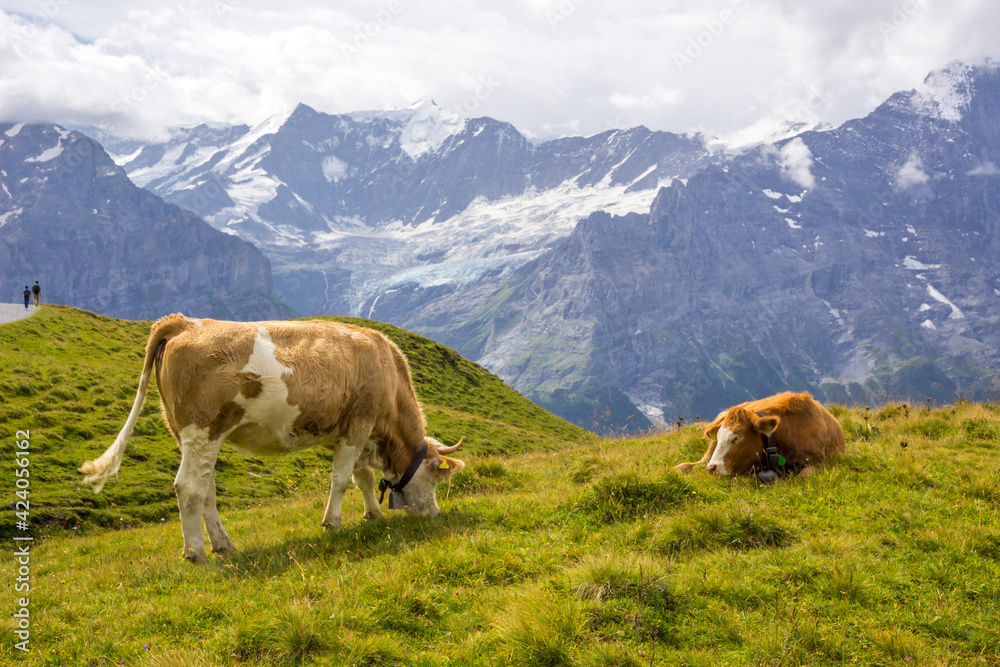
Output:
x,y
449,450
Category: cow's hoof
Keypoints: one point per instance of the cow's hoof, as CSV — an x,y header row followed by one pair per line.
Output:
x,y
335,526
373,516
196,557
225,549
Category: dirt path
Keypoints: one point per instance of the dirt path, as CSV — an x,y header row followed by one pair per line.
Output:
x,y
14,311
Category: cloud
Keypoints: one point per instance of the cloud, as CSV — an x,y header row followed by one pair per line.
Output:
x,y
987,168
912,172
658,97
796,163
584,64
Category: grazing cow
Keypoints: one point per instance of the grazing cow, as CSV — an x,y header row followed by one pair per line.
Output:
x,y
804,433
280,387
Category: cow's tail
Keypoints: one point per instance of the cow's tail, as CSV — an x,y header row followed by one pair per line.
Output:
x,y
100,469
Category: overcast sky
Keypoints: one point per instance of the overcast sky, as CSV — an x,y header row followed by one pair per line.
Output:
x,y
550,67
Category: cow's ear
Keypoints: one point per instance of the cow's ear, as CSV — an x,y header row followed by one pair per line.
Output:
x,y
767,425
712,431
447,465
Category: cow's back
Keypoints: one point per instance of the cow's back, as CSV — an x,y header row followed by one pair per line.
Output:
x,y
282,379
807,430
343,373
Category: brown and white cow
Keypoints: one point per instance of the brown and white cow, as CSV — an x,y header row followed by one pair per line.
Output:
x,y
805,435
280,387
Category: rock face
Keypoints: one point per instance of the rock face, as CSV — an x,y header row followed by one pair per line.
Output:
x,y
634,276
71,219
857,263
411,215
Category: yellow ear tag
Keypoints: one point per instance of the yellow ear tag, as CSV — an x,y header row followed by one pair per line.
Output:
x,y
444,465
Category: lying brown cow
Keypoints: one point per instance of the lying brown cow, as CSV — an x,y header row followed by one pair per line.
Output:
x,y
805,435
276,388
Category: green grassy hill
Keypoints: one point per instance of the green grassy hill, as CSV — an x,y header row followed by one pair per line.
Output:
x,y
578,552
70,377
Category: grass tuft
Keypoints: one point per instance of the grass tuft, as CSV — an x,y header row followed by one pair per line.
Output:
x,y
715,527
631,595
300,635
612,656
625,497
545,630
489,475
373,651
622,576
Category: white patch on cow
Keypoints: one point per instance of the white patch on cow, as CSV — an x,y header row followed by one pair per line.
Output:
x,y
725,439
360,337
371,457
263,361
191,436
194,484
421,493
268,416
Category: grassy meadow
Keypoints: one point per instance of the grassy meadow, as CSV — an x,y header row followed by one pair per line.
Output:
x,y
553,547
70,378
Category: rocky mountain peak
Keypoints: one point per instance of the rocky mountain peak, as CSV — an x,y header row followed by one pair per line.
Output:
x,y
71,218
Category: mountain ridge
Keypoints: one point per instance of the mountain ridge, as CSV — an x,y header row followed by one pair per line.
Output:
x,y
71,218
874,283
537,259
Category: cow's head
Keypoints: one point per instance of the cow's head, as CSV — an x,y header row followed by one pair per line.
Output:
x,y
739,437
421,491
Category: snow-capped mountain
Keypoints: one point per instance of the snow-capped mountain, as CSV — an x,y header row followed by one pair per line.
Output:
x,y
859,263
675,273
71,219
354,208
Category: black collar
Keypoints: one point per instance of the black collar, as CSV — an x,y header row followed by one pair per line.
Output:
x,y
773,461
407,476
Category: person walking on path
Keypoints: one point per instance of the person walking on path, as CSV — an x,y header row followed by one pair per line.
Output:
x,y
27,296
36,291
